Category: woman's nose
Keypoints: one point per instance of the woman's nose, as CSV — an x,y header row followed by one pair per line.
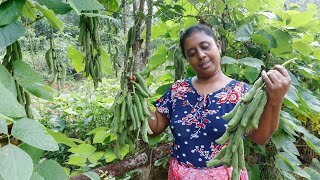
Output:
x,y
202,54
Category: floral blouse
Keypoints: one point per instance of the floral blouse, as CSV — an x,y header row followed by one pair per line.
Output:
x,y
196,120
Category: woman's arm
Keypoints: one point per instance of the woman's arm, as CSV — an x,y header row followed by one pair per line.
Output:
x,y
159,124
277,83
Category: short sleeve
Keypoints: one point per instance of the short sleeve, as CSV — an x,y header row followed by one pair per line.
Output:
x,y
164,104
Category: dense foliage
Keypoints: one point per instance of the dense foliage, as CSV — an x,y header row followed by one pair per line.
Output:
x,y
68,131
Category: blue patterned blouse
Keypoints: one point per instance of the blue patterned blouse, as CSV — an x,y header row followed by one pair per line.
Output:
x,y
196,120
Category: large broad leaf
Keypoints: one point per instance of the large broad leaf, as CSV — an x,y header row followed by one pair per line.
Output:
x,y
162,89
302,47
228,60
77,59
10,11
313,142
112,6
15,164
83,149
77,160
29,11
291,97
253,5
51,17
252,62
7,81
244,33
9,104
31,80
85,5
251,74
51,170
308,73
36,176
271,39
95,157
10,33
61,138
312,101
56,6
283,140
281,164
283,40
110,155
33,152
92,175
3,126
312,173
106,62
34,134
290,159
158,57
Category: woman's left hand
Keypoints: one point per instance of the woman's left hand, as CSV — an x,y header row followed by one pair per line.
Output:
x,y
278,82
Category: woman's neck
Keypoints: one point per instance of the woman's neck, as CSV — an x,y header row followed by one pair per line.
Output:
x,y
219,77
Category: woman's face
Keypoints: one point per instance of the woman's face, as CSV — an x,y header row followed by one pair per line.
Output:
x,y
203,54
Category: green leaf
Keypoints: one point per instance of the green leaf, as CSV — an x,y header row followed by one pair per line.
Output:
x,y
283,40
284,141
95,157
315,164
3,126
254,172
51,17
15,164
252,62
31,80
158,57
292,97
251,74
301,173
36,176
51,170
162,89
56,6
7,81
100,136
9,104
85,5
308,73
95,130
83,149
228,60
281,164
312,173
271,39
29,11
124,150
259,39
106,62
2,116
77,160
61,138
302,47
288,176
290,159
312,141
34,134
92,175
110,155
33,152
10,33
10,11
294,80
244,33
77,59
253,5
312,101
112,6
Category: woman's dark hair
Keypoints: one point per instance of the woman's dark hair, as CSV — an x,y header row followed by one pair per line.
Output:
x,y
195,28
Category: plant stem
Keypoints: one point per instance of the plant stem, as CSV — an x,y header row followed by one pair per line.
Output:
x,y
289,61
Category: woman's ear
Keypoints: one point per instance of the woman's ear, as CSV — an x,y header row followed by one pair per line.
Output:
x,y
219,48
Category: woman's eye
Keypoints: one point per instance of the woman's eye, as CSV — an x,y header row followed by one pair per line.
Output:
x,y
205,46
191,53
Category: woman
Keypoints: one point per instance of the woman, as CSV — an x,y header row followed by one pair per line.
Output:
x,y
193,108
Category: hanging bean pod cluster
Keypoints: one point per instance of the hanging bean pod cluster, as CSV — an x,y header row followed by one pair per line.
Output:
x,y
90,40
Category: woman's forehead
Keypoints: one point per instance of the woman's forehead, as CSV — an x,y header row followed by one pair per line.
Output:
x,y
198,37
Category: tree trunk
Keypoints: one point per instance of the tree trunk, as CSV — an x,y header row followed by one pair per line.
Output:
x,y
148,32
125,165
136,49
124,5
